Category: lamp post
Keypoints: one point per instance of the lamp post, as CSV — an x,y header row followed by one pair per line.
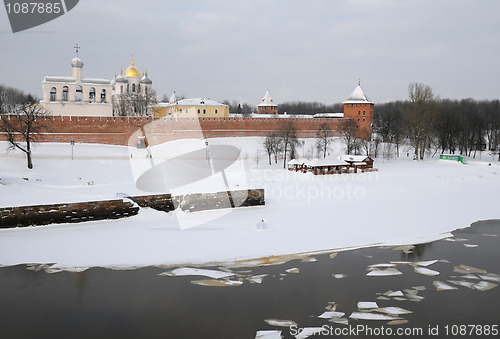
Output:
x,y
72,142
206,148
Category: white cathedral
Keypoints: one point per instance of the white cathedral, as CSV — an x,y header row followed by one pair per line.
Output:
x,y
79,96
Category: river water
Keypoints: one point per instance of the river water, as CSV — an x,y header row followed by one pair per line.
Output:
x,y
457,295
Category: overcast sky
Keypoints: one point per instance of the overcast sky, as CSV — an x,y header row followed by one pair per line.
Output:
x,y
300,50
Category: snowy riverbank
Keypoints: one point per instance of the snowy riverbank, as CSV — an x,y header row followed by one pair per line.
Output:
x,y
405,202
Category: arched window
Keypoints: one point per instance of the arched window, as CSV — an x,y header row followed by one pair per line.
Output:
x,y
103,96
65,93
133,88
78,94
216,111
121,89
145,89
199,111
204,111
92,94
53,94
128,88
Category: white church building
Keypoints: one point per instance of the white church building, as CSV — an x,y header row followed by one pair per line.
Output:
x,y
81,96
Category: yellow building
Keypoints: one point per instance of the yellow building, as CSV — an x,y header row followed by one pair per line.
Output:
x,y
190,108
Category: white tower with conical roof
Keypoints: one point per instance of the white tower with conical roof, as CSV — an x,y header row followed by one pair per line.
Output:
x,y
267,105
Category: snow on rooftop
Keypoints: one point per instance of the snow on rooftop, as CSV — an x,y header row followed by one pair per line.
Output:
x,y
357,96
199,102
328,115
97,81
352,158
54,78
267,100
326,162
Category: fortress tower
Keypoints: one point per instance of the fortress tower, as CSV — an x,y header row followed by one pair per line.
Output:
x,y
267,105
360,109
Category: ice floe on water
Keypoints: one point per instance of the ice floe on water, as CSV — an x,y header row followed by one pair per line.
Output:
x,y
384,272
441,286
426,263
484,286
217,283
341,321
187,271
293,270
408,294
367,305
490,276
471,245
397,322
394,294
455,239
425,271
309,259
383,265
468,269
280,322
330,315
268,334
462,283
331,306
392,310
371,316
257,279
470,276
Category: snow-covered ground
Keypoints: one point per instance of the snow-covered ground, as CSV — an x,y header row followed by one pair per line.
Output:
x,y
405,202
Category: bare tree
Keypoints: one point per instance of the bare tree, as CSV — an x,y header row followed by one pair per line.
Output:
x,y
268,146
24,127
287,134
324,138
419,117
134,104
348,130
272,145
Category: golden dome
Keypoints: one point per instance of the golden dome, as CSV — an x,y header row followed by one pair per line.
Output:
x,y
132,71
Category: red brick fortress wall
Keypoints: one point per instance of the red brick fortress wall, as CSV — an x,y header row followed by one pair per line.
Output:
x,y
125,130
362,113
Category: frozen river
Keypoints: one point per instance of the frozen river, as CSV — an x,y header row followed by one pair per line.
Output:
x,y
439,286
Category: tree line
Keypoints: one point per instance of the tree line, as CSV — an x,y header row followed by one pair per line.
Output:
x,y
426,122
11,98
292,107
309,108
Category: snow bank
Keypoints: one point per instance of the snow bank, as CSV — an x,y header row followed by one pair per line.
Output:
x,y
406,202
